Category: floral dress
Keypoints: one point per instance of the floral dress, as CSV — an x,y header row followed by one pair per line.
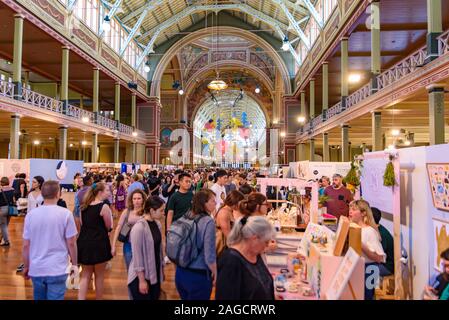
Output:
x,y
120,199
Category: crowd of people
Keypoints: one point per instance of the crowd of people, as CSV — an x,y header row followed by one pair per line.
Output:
x,y
231,233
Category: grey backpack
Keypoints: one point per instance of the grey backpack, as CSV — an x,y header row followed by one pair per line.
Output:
x,y
182,248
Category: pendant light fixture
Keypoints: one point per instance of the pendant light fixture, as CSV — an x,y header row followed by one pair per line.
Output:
x,y
217,84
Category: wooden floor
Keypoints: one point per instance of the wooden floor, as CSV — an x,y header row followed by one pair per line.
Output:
x,y
13,286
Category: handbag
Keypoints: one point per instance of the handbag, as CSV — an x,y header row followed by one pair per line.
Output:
x,y
12,210
220,239
125,230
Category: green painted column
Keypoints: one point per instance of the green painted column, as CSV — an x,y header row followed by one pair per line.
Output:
x,y
436,114
312,99
133,110
117,103
303,105
81,102
17,56
344,71
375,44
94,147
134,152
116,150
14,137
326,155
325,87
65,77
96,92
434,28
376,131
312,149
63,143
344,143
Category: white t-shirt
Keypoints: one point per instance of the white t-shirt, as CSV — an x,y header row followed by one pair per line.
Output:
x,y
220,194
47,228
371,239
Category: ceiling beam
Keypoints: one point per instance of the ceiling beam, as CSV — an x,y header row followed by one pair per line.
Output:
x,y
296,7
110,15
150,5
155,32
293,23
71,5
133,31
314,13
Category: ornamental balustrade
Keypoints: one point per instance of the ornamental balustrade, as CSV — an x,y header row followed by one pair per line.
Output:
x,y
6,89
443,43
41,101
400,70
50,104
405,67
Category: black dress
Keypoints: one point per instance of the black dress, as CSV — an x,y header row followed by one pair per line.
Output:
x,y
250,281
93,242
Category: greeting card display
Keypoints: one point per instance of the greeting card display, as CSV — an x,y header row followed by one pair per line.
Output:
x,y
438,174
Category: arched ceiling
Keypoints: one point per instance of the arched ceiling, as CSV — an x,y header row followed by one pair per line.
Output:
x,y
226,106
153,22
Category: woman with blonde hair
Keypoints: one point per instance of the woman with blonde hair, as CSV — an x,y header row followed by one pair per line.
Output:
x,y
360,213
94,248
133,212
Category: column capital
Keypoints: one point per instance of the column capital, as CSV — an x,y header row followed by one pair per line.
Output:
x,y
325,63
65,48
133,93
345,125
376,113
344,38
312,79
96,68
19,16
117,83
325,133
63,127
435,87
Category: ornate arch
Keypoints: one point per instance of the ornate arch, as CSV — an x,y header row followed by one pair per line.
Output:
x,y
230,64
162,65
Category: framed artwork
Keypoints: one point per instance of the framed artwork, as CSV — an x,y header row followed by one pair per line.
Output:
x,y
440,234
438,174
165,138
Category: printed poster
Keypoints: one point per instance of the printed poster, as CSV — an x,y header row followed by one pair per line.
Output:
x,y
438,174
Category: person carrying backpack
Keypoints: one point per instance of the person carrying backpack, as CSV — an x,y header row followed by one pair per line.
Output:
x,y
191,246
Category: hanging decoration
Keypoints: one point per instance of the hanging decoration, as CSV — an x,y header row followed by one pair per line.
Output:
x,y
389,178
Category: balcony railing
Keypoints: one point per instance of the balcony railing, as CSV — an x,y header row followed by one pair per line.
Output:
x,y
361,94
410,64
443,43
6,89
50,104
400,70
123,128
106,122
41,101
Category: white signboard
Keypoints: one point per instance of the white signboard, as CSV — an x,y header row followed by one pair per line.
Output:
x,y
315,170
373,189
342,275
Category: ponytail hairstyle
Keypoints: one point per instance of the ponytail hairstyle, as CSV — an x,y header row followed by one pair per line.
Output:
x,y
40,181
249,205
248,227
91,194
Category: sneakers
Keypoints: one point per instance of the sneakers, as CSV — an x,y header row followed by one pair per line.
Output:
x,y
166,260
4,244
20,267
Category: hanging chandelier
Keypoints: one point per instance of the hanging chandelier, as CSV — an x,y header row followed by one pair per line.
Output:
x,y
217,84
